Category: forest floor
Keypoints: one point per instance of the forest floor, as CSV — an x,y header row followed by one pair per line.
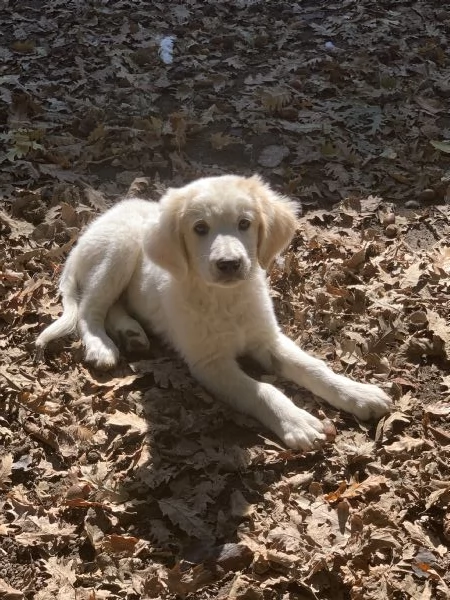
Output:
x,y
136,483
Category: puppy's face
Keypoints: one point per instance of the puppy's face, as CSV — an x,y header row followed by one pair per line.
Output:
x,y
221,228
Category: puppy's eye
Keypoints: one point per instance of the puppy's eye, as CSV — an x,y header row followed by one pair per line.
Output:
x,y
201,228
244,224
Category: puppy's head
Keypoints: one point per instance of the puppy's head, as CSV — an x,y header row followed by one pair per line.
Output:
x,y
220,228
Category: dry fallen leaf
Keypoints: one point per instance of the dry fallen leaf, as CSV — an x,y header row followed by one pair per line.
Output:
x,y
130,421
188,581
6,463
411,276
374,484
9,593
438,326
406,444
185,517
239,505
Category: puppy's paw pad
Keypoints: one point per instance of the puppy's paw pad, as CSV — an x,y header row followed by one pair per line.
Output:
x,y
134,340
130,336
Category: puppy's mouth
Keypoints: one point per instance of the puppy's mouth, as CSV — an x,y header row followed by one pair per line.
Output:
x,y
230,277
229,280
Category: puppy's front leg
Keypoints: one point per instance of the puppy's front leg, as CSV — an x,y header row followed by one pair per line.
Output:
x,y
361,399
296,427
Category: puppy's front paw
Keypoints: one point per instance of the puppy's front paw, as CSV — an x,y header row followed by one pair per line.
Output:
x,y
364,400
302,431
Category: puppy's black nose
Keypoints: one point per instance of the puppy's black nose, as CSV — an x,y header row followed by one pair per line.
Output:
x,y
228,267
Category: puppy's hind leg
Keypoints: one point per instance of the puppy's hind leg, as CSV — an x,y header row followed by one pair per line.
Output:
x,y
100,350
125,330
104,287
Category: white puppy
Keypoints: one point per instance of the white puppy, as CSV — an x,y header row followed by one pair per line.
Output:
x,y
192,269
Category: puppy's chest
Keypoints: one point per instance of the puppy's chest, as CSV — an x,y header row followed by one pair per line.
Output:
x,y
221,315
228,323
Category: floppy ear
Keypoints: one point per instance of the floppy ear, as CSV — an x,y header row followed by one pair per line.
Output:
x,y
164,242
278,221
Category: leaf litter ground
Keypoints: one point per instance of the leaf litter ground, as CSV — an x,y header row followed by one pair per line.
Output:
x,y
137,484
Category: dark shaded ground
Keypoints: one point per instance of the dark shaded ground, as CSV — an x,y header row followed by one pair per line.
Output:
x,y
136,483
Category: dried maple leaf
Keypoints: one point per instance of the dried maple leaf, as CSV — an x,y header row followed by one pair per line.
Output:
x,y
165,372
440,497
428,539
374,484
411,276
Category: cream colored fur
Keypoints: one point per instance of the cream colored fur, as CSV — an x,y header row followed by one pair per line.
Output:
x,y
191,268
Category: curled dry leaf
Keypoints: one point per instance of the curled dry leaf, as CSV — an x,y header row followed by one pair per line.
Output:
x,y
393,421
428,539
329,430
299,480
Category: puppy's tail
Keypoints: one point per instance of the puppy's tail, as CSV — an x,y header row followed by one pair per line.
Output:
x,y
67,322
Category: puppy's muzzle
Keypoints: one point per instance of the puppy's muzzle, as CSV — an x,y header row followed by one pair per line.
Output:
x,y
228,271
